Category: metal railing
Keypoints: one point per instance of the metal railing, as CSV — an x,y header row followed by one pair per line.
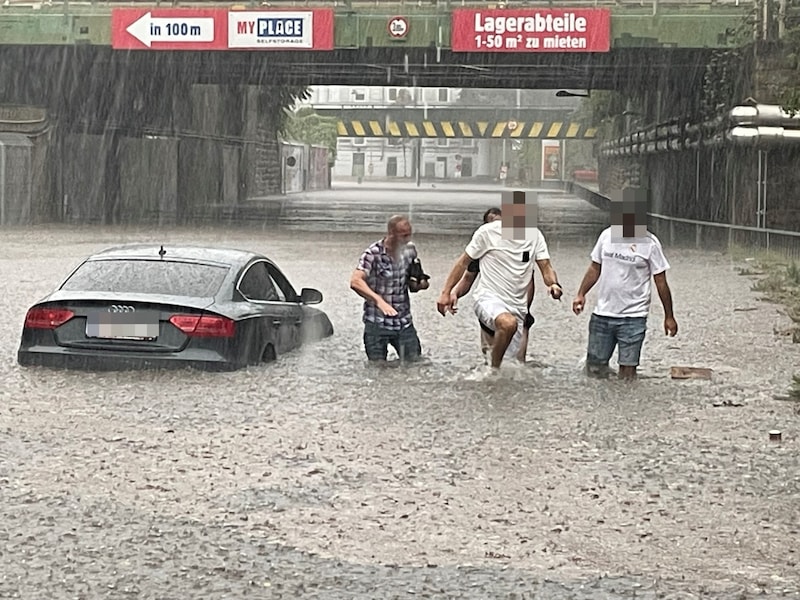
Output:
x,y
708,235
703,235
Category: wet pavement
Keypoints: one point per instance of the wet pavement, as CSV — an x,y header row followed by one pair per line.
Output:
x,y
435,208
319,476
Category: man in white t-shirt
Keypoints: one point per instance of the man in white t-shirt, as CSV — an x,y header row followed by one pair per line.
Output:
x,y
506,267
464,285
624,259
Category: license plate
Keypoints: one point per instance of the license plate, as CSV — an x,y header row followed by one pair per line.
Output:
x,y
140,325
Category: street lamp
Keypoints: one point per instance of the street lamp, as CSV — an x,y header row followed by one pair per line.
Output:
x,y
566,94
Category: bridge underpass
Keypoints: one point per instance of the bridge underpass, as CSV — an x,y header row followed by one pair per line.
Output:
x,y
63,60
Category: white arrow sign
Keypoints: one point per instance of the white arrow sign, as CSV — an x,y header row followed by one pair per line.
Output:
x,y
148,29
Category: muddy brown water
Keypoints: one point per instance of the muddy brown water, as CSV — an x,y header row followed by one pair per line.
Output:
x,y
321,477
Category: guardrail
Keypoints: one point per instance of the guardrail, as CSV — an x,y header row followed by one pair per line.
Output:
x,y
590,194
704,235
707,235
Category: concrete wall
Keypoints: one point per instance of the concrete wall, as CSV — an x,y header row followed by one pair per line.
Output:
x,y
148,190
219,151
16,158
85,175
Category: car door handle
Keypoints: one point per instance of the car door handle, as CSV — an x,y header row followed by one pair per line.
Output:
x,y
276,322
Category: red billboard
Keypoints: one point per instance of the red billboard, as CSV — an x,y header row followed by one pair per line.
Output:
x,y
531,30
216,29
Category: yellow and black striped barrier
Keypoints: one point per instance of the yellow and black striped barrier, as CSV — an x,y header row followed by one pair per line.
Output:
x,y
466,129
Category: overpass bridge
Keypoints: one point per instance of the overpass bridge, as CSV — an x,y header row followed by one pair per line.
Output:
x,y
618,43
197,89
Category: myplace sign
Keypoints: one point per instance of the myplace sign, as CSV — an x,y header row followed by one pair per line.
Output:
x,y
217,29
526,30
271,30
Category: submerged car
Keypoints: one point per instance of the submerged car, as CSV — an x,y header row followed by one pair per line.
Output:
x,y
153,306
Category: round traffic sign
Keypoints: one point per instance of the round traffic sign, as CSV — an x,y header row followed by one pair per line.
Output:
x,y
398,27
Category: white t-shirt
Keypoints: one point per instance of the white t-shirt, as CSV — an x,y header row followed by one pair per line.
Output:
x,y
506,264
627,267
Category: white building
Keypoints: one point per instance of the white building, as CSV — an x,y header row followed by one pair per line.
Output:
x,y
439,158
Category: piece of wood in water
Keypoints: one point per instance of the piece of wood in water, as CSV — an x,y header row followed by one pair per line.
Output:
x,y
690,373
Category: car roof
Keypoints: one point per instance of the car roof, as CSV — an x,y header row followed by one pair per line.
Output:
x,y
184,252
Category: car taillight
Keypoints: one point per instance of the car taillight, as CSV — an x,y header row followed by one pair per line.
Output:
x,y
204,325
47,318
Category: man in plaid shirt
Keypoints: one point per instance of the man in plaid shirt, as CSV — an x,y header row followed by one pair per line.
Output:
x,y
382,279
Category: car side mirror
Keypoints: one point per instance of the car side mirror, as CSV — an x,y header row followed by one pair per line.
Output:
x,y
310,296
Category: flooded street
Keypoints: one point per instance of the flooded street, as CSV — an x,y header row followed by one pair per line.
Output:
x,y
321,477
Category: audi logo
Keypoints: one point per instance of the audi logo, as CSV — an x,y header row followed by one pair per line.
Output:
x,y
121,308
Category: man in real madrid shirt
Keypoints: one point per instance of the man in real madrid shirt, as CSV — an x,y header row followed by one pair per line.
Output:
x,y
624,260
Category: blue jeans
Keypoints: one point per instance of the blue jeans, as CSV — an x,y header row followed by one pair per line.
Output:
x,y
605,333
405,342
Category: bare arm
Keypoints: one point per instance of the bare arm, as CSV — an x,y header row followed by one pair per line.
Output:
x,y
464,284
664,293
358,283
589,279
550,277
445,302
529,293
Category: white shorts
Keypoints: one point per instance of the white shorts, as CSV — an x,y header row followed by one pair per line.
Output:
x,y
487,309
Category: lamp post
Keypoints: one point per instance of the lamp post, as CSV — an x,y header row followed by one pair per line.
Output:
x,y
561,143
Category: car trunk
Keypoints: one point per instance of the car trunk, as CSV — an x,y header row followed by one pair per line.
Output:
x,y
127,325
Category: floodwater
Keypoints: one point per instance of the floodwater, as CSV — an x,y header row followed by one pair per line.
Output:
x,y
319,476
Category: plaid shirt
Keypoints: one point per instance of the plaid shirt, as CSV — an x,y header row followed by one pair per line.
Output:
x,y
388,279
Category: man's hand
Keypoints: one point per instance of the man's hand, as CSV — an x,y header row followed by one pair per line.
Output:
x,y
445,304
555,291
670,326
386,308
578,303
453,302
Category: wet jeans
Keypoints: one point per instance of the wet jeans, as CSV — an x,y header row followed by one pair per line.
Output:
x,y
405,342
607,332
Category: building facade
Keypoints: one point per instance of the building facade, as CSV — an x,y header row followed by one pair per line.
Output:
x,y
442,158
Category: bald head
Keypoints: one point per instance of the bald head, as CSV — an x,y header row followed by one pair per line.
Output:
x,y
395,222
398,232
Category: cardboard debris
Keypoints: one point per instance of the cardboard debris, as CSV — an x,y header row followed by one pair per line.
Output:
x,y
690,373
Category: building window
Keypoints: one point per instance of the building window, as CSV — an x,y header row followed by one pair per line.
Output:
x,y
392,94
444,95
359,94
444,142
359,141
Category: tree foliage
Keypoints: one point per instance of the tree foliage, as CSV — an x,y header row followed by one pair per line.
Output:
x,y
308,127
601,110
789,97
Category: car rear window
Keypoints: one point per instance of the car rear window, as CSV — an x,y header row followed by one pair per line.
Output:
x,y
147,277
